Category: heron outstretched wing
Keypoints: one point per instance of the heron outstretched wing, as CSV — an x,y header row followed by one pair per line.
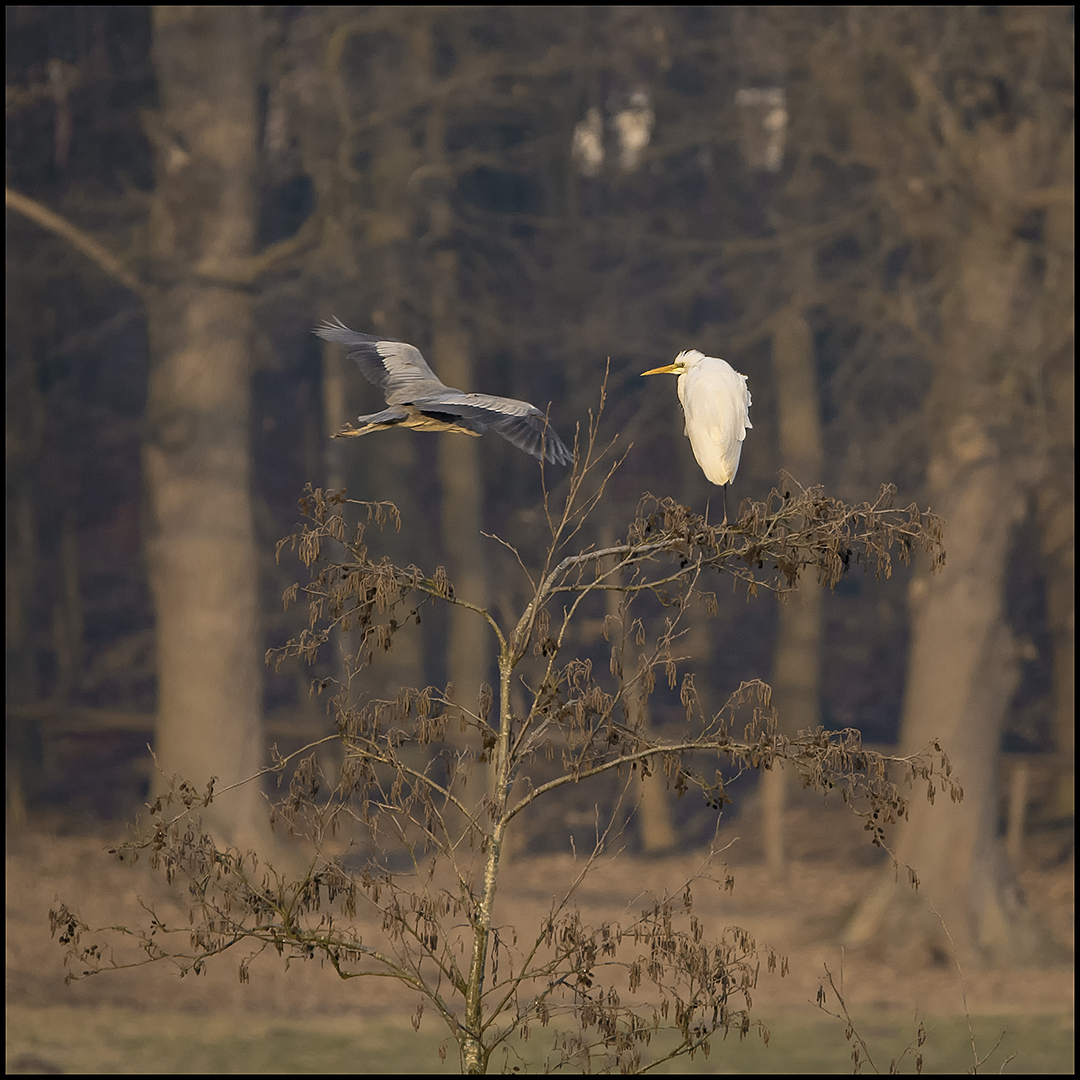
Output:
x,y
417,398
518,422
397,368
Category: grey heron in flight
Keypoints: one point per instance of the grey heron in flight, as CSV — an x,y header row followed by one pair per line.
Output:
x,y
416,398
716,409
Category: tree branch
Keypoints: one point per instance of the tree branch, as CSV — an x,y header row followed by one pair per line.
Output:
x,y
43,216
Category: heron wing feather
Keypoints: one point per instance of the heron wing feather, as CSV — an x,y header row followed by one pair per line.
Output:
x,y
397,368
518,422
533,434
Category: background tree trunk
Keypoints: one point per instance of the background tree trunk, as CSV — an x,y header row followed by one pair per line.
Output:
x,y
963,181
24,439
467,651
653,814
797,661
963,672
964,666
1056,497
203,565
468,638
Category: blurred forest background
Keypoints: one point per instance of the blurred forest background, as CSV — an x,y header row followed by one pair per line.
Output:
x,y
867,211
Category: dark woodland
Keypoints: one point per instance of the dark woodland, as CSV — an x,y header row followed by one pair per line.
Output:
x,y
867,212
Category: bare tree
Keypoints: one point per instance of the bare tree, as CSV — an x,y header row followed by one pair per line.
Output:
x,y
408,837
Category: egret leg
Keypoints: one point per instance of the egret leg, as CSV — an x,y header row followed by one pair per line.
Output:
x,y
723,488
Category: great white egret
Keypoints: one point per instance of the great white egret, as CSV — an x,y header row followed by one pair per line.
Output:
x,y
416,398
716,409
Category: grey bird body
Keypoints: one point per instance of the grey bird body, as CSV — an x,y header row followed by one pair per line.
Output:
x,y
416,398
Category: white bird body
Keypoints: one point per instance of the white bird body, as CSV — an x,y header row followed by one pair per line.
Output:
x,y
716,406
716,410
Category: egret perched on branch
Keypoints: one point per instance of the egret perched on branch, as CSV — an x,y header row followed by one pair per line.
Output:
x,y
716,408
417,399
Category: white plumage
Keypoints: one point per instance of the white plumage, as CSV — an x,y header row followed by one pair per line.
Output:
x,y
716,409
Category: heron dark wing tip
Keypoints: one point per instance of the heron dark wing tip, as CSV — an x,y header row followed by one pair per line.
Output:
x,y
557,452
330,325
532,433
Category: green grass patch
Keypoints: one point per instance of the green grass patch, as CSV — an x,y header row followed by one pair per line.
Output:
x,y
804,1042
127,1041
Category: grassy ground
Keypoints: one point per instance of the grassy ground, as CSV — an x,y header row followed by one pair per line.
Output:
x,y
302,1018
121,1040
128,1041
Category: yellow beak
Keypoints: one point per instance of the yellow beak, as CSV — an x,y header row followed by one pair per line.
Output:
x,y
667,369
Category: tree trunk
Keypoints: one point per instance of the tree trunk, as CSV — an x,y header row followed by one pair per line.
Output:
x,y
202,560
964,185
963,672
797,661
1056,497
656,825
964,666
24,438
469,643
